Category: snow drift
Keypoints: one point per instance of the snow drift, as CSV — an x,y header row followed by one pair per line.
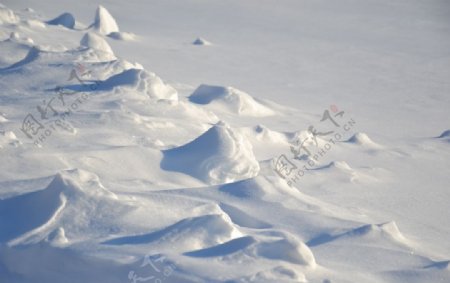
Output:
x,y
7,16
13,52
287,249
96,42
104,23
66,20
8,138
189,233
445,134
155,153
220,155
2,118
72,204
363,139
229,99
142,81
201,41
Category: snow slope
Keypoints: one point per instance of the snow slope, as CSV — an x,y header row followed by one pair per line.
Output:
x,y
111,173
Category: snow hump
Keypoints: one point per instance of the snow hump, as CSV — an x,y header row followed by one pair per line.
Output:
x,y
229,99
67,20
220,155
96,42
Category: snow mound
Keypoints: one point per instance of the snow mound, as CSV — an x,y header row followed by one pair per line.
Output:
x,y
286,249
8,138
2,118
16,53
70,183
201,41
7,16
267,135
445,134
262,139
14,36
340,165
66,19
12,52
388,229
385,234
143,81
189,233
104,23
96,42
254,188
19,215
220,155
363,140
34,24
34,216
58,238
32,55
126,36
443,265
229,99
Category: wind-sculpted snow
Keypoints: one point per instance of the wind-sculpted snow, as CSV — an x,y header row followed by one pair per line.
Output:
x,y
66,19
141,81
12,52
96,42
229,99
104,23
73,204
7,16
201,41
363,140
111,173
218,156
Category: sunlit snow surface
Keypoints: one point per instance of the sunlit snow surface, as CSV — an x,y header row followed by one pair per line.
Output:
x,y
278,141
